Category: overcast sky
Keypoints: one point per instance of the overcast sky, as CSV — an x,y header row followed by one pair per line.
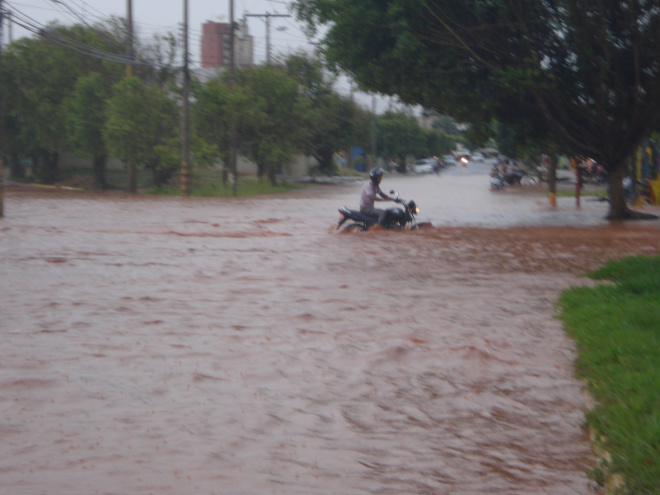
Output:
x,y
162,16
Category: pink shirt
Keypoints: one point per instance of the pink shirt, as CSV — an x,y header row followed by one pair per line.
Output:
x,y
369,193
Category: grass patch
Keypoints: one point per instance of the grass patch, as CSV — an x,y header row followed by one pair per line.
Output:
x,y
616,328
564,193
208,184
211,186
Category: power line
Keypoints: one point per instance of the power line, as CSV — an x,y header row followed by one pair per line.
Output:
x,y
267,16
29,24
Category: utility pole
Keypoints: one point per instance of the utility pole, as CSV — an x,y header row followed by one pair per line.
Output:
x,y
373,129
129,38
349,151
233,152
185,113
267,15
2,134
132,167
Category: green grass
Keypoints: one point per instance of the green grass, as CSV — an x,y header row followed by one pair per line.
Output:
x,y
208,184
211,186
585,192
616,327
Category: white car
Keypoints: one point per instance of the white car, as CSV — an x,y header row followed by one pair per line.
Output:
x,y
477,157
425,166
449,160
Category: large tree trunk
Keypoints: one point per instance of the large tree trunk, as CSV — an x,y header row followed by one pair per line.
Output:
x,y
99,172
16,168
326,166
50,167
132,177
552,179
272,175
618,208
618,205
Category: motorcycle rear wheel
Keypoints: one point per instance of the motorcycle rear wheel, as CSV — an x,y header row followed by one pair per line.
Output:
x,y
354,227
422,225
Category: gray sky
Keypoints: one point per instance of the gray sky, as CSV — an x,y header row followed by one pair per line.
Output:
x,y
162,16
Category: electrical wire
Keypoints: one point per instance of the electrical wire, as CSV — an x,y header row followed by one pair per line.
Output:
x,y
33,26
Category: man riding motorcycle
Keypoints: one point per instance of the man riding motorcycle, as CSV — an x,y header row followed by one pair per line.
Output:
x,y
371,192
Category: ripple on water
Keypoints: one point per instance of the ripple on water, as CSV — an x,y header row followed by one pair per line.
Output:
x,y
171,346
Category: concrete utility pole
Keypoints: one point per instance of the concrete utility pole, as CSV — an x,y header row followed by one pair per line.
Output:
x,y
185,113
129,38
373,130
2,136
132,167
267,15
232,71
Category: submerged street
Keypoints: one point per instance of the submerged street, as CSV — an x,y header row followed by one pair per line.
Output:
x,y
242,346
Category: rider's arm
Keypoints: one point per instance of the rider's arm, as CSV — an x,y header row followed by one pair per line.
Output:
x,y
383,196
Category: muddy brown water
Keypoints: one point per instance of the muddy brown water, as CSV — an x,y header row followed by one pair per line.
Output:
x,y
242,346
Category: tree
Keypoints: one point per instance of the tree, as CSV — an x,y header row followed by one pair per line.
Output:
x,y
141,123
399,135
43,75
220,109
438,142
587,70
447,124
333,123
40,74
278,130
86,120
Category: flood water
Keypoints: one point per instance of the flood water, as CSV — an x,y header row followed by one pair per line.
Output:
x,y
242,346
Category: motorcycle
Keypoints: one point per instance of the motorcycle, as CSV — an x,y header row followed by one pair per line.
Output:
x,y
500,179
395,218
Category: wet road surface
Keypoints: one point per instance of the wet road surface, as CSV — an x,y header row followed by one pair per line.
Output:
x,y
242,346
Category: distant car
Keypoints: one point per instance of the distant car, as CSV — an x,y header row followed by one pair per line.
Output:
x,y
449,160
477,157
426,166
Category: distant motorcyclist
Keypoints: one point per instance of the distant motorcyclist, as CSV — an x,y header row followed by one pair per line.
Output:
x,y
371,192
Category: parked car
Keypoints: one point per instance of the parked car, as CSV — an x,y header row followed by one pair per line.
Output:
x,y
477,157
449,160
426,166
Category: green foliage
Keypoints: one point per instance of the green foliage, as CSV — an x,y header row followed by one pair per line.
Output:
x,y
265,110
332,123
40,76
438,143
278,129
399,135
213,186
86,114
221,106
141,123
583,72
617,331
446,124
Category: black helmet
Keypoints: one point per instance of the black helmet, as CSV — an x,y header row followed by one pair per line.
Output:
x,y
374,173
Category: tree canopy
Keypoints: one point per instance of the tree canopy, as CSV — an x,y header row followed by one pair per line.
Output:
x,y
584,71
333,123
141,120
